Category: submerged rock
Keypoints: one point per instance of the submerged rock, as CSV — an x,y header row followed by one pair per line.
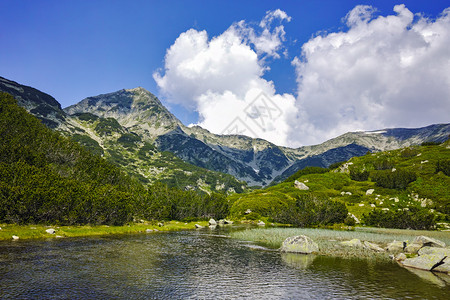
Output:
x,y
299,244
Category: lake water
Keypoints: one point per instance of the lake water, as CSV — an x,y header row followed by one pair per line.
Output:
x,y
196,265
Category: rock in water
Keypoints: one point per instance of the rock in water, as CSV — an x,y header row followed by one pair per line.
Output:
x,y
427,241
424,262
198,226
299,244
212,222
372,246
395,246
50,231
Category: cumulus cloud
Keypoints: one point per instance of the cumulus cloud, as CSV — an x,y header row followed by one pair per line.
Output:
x,y
221,78
384,71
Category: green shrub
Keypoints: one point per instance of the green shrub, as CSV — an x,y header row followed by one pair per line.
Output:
x,y
443,165
415,218
393,180
359,175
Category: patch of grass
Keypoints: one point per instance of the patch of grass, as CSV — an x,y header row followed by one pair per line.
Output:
x,y
38,231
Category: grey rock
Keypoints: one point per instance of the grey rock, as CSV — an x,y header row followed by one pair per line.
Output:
x,y
373,247
424,262
261,223
299,244
427,241
301,186
413,248
51,231
198,226
445,267
435,250
15,237
212,222
400,257
395,246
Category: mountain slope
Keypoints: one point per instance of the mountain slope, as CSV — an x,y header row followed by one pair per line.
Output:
x,y
140,115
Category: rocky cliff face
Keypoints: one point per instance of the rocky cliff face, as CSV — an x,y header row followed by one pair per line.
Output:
x,y
145,120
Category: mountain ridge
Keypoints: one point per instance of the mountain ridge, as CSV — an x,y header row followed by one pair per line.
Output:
x,y
140,115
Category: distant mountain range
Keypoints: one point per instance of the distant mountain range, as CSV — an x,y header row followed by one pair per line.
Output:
x,y
132,128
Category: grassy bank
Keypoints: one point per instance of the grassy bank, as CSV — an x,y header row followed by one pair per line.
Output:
x,y
39,231
328,240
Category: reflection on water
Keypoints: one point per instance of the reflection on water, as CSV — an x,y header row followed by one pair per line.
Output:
x,y
196,264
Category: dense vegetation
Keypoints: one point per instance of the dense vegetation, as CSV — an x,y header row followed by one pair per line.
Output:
x,y
405,188
47,178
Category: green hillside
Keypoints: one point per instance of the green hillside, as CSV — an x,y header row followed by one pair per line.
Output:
x,y
405,188
48,178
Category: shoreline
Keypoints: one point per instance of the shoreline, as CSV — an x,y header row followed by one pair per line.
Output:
x,y
36,232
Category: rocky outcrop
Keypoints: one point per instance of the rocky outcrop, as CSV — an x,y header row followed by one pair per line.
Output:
x,y
299,244
301,186
427,241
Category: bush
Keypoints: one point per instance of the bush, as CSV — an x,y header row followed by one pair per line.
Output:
x,y
359,175
415,218
313,210
443,165
393,180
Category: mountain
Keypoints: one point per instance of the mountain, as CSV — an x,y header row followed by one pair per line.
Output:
x,y
120,124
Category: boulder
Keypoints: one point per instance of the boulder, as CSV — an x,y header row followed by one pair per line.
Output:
x,y
300,185
353,243
50,231
248,211
396,246
198,226
160,224
299,244
413,248
373,247
15,237
434,251
427,241
221,222
370,191
261,223
445,267
212,222
424,262
400,257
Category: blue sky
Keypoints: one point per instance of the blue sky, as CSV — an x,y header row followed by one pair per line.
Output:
x,y
76,49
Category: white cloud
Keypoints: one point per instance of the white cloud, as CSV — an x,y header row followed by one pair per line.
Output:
x,y
221,78
388,71
383,71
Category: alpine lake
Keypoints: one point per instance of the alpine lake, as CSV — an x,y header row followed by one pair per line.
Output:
x,y
199,264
